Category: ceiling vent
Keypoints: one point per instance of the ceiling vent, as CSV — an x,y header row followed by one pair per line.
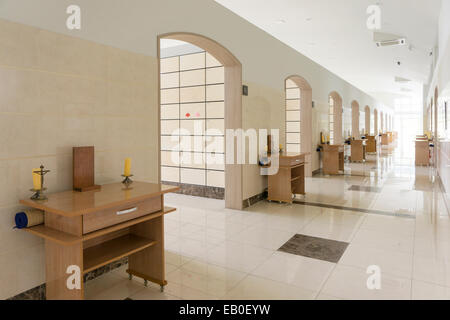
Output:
x,y
401,80
388,40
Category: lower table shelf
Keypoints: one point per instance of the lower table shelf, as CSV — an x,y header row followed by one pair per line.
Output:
x,y
109,251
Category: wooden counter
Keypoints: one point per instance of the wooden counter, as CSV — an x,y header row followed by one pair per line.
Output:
x,y
384,139
94,228
358,151
290,178
333,159
371,146
422,152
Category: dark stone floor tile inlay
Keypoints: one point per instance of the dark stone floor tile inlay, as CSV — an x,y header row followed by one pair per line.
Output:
x,y
364,189
316,248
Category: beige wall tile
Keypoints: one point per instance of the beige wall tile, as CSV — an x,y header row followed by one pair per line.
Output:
x,y
192,94
192,61
215,75
192,78
18,45
170,65
215,92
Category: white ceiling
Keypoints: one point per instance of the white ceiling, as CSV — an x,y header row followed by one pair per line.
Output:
x,y
334,34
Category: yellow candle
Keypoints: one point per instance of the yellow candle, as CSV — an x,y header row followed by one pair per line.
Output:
x,y
127,170
36,179
322,138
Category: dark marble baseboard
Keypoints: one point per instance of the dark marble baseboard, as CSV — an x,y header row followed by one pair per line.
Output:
x,y
199,191
253,200
38,293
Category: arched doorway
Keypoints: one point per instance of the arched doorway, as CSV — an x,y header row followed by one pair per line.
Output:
x,y
355,120
368,128
232,105
335,118
299,118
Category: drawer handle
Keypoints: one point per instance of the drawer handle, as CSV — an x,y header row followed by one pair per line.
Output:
x,y
126,211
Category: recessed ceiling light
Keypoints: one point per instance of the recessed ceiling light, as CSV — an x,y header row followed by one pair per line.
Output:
x,y
281,21
311,43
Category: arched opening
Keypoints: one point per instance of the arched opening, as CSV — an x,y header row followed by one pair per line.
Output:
x,y
335,118
299,118
375,122
216,103
355,120
368,129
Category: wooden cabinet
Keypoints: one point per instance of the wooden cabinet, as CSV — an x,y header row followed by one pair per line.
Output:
x,y
358,151
92,229
384,139
371,145
422,152
333,159
290,178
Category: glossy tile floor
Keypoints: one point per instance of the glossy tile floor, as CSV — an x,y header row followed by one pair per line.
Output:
x,y
216,253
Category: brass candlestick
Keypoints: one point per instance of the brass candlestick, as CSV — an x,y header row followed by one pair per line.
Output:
x,y
127,181
39,194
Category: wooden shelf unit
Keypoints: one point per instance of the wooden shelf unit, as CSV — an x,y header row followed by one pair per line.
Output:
x,y
422,152
333,159
371,146
290,178
124,223
112,250
358,151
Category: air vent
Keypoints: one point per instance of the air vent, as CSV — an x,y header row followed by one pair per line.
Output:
x,y
387,39
402,80
388,43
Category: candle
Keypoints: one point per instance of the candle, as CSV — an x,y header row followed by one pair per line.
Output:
x,y
127,170
36,179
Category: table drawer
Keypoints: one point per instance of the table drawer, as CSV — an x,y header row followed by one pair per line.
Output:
x,y
105,218
291,161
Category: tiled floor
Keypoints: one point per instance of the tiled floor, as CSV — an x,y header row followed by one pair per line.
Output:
x,y
216,253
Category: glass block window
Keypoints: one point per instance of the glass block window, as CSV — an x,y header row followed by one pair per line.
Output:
x,y
192,120
293,104
331,119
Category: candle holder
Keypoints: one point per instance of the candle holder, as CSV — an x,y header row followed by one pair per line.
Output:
x,y
39,194
127,181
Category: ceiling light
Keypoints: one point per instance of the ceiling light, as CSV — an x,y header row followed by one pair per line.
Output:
x,y
281,21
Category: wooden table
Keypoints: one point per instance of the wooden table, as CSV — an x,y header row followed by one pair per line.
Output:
x,y
358,151
333,159
371,146
94,228
290,178
384,139
422,152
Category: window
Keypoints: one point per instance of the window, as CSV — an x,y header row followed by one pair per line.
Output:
x,y
192,120
293,105
331,119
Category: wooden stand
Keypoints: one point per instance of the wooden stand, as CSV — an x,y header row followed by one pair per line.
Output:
x,y
290,178
358,151
371,146
422,152
333,159
384,139
92,229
